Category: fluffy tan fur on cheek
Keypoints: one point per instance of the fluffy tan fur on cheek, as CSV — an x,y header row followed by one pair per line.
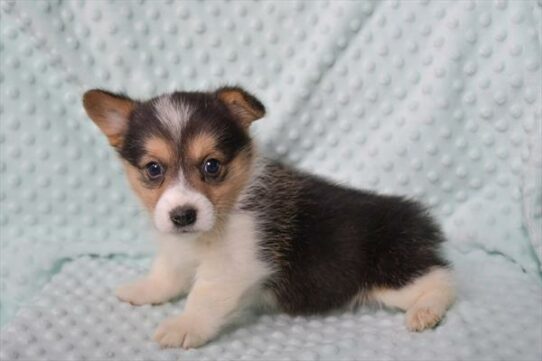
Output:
x,y
224,195
149,197
221,194
155,149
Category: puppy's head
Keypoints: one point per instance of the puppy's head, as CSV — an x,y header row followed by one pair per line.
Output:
x,y
187,155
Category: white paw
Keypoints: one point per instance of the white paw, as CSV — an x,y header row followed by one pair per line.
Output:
x,y
421,318
181,331
140,292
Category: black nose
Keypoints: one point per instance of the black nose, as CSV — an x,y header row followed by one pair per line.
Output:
x,y
183,216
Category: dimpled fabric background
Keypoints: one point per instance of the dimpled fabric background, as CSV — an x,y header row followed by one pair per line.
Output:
x,y
436,100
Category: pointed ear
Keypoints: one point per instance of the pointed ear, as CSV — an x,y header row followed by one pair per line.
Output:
x,y
110,112
242,105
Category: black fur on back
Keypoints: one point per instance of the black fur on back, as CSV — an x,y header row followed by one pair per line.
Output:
x,y
328,243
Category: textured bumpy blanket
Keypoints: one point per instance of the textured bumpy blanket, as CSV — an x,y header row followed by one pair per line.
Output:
x,y
436,100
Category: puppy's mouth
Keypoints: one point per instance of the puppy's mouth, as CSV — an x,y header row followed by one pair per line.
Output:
x,y
185,230
181,223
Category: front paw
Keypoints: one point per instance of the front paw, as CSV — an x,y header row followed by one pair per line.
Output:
x,y
140,292
182,331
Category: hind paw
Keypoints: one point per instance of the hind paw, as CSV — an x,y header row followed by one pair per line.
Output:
x,y
419,319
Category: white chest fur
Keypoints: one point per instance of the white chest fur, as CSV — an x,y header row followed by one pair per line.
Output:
x,y
233,251
222,272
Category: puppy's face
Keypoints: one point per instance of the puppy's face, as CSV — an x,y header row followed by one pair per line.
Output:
x,y
187,155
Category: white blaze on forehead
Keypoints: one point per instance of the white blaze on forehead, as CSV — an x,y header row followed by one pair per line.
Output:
x,y
172,114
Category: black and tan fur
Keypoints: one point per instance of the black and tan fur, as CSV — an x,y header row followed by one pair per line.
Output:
x,y
306,243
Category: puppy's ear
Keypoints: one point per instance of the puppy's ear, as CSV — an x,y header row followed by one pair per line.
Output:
x,y
242,105
110,112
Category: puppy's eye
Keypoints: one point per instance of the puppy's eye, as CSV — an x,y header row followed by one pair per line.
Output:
x,y
154,170
211,167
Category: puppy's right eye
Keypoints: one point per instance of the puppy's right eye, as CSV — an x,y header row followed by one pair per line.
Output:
x,y
154,170
211,167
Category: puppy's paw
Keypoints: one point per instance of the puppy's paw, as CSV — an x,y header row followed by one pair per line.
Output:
x,y
421,318
140,292
181,331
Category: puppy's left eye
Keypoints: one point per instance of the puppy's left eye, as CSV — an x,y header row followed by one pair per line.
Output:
x,y
154,170
211,167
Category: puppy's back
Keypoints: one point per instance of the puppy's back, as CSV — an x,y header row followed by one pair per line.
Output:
x,y
329,243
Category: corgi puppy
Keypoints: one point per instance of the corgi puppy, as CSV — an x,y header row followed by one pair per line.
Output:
x,y
236,229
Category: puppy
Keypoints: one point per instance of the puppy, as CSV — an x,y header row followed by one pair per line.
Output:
x,y
237,230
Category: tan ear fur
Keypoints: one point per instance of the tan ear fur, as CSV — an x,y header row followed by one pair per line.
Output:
x,y
243,106
110,112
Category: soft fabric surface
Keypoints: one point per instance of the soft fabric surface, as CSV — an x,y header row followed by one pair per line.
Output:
x,y
76,317
439,100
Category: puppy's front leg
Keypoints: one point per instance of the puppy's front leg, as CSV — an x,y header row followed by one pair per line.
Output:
x,y
210,305
171,275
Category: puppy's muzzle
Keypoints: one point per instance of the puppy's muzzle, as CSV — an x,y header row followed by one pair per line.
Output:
x,y
183,216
